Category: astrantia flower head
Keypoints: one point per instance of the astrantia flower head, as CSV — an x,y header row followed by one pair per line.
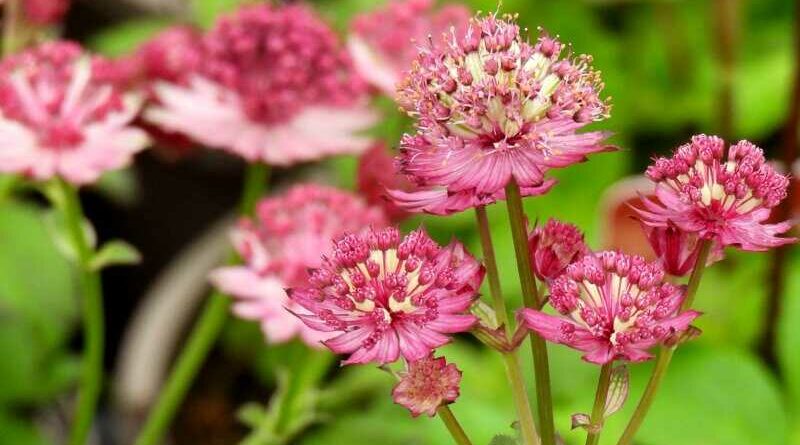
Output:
x,y
677,250
375,174
279,245
172,55
611,306
388,296
383,43
45,12
718,194
274,85
59,118
492,108
554,246
426,385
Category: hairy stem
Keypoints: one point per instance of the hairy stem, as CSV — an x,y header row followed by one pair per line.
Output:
x,y
598,411
450,421
530,297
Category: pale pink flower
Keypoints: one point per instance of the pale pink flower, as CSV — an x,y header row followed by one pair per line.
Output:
x,y
677,250
279,245
717,194
383,42
273,86
375,174
491,108
554,246
45,12
426,385
57,118
388,297
611,306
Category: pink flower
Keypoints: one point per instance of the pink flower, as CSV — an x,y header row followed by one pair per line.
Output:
x,y
611,306
279,245
45,12
491,108
677,250
721,197
387,297
172,55
426,385
57,118
273,86
375,174
553,247
383,43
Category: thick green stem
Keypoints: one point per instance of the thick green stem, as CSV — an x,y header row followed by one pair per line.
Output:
x,y
453,426
599,409
530,297
665,354
92,303
204,333
513,369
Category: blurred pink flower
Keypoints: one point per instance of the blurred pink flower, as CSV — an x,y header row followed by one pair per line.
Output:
x,y
721,197
387,297
45,12
611,306
554,246
383,42
57,118
279,245
171,55
375,174
426,385
491,108
273,86
677,250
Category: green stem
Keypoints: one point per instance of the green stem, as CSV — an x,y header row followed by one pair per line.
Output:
x,y
453,426
204,333
530,297
513,369
599,409
92,303
665,354
11,14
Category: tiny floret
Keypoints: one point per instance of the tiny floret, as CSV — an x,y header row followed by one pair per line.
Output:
x,y
388,296
554,246
426,385
611,306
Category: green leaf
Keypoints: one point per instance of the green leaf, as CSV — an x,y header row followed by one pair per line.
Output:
x,y
502,439
788,346
115,253
124,38
204,12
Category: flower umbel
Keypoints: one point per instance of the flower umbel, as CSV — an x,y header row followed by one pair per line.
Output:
x,y
389,297
426,385
554,246
492,108
718,194
611,306
59,118
279,245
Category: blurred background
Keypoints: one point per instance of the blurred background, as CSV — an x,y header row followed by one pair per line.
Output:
x,y
673,68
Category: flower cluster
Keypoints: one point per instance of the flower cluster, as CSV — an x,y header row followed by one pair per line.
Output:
x,y
61,118
279,245
45,12
611,306
273,86
172,55
720,195
376,174
427,384
553,247
383,42
491,109
388,296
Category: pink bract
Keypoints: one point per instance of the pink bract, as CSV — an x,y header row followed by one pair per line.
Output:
x,y
274,86
677,250
554,246
611,306
60,117
426,385
279,245
388,297
383,43
717,194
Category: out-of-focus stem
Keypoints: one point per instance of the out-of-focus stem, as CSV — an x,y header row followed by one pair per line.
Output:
x,y
665,354
11,13
530,296
726,17
204,333
598,411
513,369
453,426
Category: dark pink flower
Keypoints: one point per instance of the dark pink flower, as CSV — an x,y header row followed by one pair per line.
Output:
x,y
677,250
389,297
383,42
491,108
171,55
45,12
60,117
553,247
426,385
611,306
717,194
279,245
376,173
274,86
